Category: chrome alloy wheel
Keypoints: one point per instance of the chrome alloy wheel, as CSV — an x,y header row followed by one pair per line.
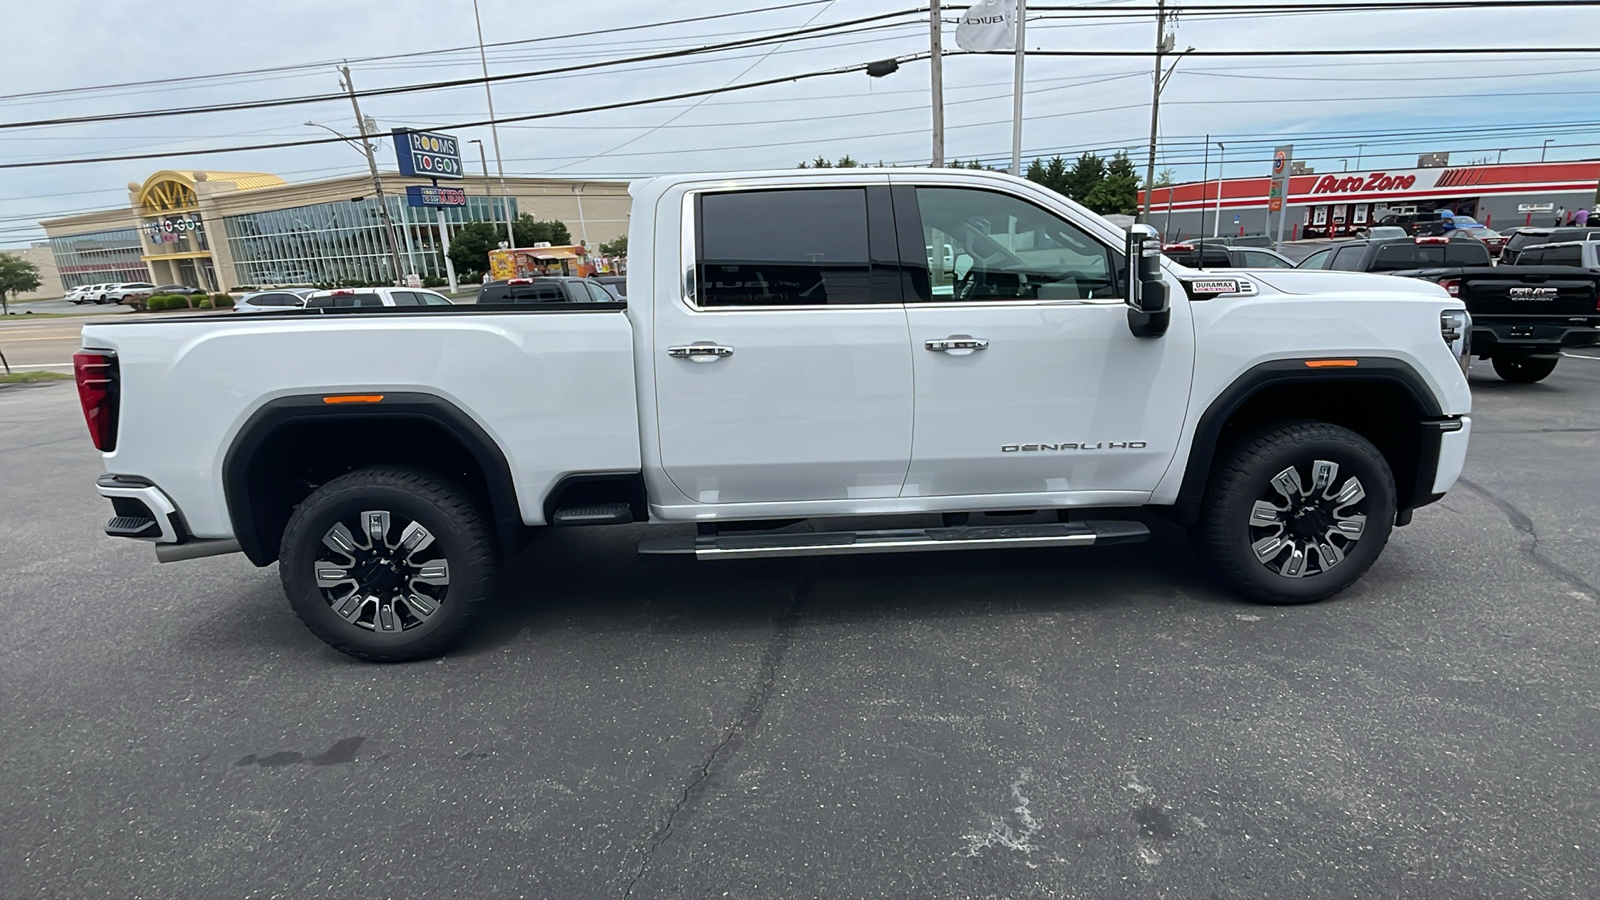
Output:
x,y
382,585
1298,530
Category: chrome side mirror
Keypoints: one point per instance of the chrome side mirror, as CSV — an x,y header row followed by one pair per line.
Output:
x,y
1149,309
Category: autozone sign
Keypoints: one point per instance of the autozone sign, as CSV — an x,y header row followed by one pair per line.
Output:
x,y
1372,183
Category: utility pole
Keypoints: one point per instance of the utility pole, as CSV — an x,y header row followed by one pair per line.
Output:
x,y
377,183
494,129
1016,90
1163,44
936,70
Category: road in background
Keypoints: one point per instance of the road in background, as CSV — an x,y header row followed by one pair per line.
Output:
x,y
1046,723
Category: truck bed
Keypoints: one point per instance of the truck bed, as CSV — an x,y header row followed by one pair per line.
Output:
x,y
552,385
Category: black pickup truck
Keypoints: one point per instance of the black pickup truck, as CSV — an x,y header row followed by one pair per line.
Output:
x,y
1522,316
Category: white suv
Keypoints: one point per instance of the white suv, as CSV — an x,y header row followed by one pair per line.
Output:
x,y
341,298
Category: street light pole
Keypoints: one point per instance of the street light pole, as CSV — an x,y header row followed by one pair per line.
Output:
x,y
494,129
1016,98
1216,221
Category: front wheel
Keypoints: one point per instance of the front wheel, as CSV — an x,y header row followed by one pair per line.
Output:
x,y
387,565
1523,369
1297,513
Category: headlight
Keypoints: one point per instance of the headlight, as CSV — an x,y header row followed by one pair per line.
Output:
x,y
1455,326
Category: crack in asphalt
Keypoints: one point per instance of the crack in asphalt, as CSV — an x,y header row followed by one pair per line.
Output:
x,y
750,715
1522,522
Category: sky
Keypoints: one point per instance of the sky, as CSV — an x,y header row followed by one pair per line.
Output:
x,y
1330,107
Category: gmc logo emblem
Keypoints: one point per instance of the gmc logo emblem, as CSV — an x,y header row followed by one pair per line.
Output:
x,y
1528,293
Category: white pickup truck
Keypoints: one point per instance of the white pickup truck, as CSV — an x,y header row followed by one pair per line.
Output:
x,y
791,354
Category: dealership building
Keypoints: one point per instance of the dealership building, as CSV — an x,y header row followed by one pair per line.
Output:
x,y
1340,203
221,230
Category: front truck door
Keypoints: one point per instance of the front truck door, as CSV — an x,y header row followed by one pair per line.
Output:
x,y
784,374
1028,380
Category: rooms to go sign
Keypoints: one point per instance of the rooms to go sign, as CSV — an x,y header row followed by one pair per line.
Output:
x,y
427,155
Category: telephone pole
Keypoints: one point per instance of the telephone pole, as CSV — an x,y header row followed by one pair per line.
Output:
x,y
1163,44
936,63
377,183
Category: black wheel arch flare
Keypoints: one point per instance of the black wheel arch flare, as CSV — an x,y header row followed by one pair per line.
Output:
x,y
240,465
1210,430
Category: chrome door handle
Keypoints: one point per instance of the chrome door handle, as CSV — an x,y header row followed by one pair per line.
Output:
x,y
957,344
700,352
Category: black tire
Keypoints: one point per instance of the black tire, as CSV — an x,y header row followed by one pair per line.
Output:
x,y
1523,369
1317,525
385,597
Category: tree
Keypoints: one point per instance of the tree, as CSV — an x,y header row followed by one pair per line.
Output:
x,y
618,247
1165,177
1084,176
1118,192
529,231
17,276
470,246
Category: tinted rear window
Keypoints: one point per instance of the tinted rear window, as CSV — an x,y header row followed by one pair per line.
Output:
x,y
538,292
1397,256
340,301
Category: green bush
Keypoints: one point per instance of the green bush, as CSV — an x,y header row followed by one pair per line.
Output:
x,y
434,281
205,303
156,303
221,301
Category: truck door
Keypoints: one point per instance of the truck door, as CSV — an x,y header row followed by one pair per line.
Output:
x,y
1028,380
784,372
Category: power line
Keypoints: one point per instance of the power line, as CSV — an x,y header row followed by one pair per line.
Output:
x,y
326,63
793,34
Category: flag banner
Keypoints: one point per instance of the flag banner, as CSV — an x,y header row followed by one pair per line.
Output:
x,y
988,25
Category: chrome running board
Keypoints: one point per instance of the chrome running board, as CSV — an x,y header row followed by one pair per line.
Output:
x,y
899,540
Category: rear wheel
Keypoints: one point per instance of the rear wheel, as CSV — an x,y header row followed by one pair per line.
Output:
x,y
1523,369
1297,512
387,565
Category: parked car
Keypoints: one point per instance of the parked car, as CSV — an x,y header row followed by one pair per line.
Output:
x,y
94,293
1394,254
1527,237
387,462
1468,226
1207,255
78,294
273,301
180,289
133,292
546,289
355,298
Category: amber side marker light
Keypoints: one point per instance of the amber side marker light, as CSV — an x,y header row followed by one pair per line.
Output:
x,y
1331,363
354,398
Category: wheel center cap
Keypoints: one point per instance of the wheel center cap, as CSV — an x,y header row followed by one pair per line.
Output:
x,y
380,576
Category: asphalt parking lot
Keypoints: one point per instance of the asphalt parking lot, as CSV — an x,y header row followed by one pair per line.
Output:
x,y
1075,723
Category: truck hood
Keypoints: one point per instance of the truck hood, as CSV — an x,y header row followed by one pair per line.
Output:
x,y
1315,281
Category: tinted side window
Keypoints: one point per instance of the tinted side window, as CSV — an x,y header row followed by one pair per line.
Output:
x,y
1317,260
429,298
599,294
1403,255
1257,259
998,247
804,247
1348,259
275,300
1563,256
1534,257
406,298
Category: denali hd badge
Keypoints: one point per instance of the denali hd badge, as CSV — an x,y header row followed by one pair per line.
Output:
x,y
1099,445
1528,293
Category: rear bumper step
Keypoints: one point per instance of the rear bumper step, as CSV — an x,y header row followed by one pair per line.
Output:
x,y
899,540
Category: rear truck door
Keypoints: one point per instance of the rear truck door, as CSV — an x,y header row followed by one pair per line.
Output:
x,y
783,372
1028,380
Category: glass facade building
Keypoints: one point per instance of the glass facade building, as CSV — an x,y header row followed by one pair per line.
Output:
x,y
343,241
97,257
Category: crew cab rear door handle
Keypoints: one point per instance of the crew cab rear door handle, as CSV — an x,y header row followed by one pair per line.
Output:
x,y
700,352
957,344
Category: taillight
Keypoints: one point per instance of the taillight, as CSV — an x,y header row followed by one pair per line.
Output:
x,y
96,374
1452,286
